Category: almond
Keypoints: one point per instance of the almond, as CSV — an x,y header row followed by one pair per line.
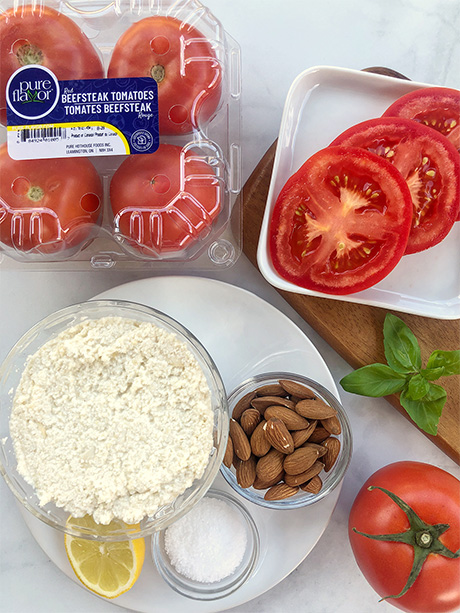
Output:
x,y
259,442
300,460
249,420
313,486
228,456
246,472
296,389
291,419
278,435
280,492
241,446
271,389
263,485
266,401
333,448
270,465
319,435
294,480
300,436
314,409
332,425
242,404
321,449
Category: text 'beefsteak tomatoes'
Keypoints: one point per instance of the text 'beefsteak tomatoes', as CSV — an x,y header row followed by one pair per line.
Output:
x,y
341,222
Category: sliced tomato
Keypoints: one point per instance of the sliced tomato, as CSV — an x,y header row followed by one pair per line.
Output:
x,y
435,107
428,162
164,201
341,222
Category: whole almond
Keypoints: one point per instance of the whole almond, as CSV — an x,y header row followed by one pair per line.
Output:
x,y
228,456
314,409
332,445
242,404
294,480
249,420
301,436
332,425
270,465
321,449
260,445
296,389
262,402
319,435
271,389
241,446
291,419
246,472
263,485
300,460
313,486
280,492
278,435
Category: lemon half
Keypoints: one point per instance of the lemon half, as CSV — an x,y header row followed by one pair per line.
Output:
x,y
107,568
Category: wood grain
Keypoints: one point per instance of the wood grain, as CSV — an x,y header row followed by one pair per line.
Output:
x,y
355,330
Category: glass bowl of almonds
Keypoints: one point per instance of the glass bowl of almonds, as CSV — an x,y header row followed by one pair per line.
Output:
x,y
289,442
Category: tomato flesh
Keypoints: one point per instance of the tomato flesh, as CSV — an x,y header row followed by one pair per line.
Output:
x,y
434,495
41,35
47,206
341,222
182,62
164,201
427,161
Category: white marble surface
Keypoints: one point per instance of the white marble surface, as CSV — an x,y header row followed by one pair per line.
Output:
x,y
418,38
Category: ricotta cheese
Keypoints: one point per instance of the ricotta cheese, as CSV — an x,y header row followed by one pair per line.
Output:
x,y
112,418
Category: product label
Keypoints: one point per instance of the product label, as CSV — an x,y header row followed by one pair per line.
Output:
x,y
48,118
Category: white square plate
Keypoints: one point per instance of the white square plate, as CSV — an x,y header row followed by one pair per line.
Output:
x,y
323,102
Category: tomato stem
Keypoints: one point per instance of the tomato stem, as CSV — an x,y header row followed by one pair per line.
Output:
x,y
29,54
158,73
423,537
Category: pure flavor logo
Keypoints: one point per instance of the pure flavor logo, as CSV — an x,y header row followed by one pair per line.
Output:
x,y
32,92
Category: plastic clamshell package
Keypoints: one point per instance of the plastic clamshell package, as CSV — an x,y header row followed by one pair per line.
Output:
x,y
322,102
194,222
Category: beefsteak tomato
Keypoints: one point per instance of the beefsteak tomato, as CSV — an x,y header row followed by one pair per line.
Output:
x,y
428,162
341,222
38,34
164,201
182,62
47,206
404,529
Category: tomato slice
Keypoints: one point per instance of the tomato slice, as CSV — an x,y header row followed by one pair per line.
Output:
x,y
341,222
428,162
182,62
164,201
435,107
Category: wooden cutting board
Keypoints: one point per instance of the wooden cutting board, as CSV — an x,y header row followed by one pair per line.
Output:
x,y
355,330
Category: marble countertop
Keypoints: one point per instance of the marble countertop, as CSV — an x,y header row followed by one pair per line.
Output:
x,y
278,40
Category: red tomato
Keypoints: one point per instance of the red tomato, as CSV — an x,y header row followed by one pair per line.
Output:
x,y
40,35
341,222
436,107
427,161
182,62
164,201
434,495
47,205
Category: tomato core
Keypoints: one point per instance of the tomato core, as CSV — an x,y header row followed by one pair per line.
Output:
x,y
35,193
157,72
29,54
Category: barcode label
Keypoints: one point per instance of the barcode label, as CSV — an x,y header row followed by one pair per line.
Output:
x,y
41,133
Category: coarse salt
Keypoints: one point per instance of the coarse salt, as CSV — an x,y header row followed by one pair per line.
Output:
x,y
208,543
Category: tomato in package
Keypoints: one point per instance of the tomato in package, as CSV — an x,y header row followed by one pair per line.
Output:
x,y
341,222
164,201
182,62
47,206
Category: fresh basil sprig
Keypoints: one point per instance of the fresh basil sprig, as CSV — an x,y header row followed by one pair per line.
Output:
x,y
422,399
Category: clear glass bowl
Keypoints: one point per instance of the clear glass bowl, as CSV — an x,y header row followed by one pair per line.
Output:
x,y
10,375
219,589
330,479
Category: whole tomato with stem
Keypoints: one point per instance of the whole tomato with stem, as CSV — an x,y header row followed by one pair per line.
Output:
x,y
183,63
404,529
38,34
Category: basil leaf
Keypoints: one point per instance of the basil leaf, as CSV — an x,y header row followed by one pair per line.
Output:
x,y
373,380
402,350
450,360
426,411
433,373
417,388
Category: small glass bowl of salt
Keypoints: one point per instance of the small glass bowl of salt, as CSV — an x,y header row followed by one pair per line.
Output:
x,y
211,551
